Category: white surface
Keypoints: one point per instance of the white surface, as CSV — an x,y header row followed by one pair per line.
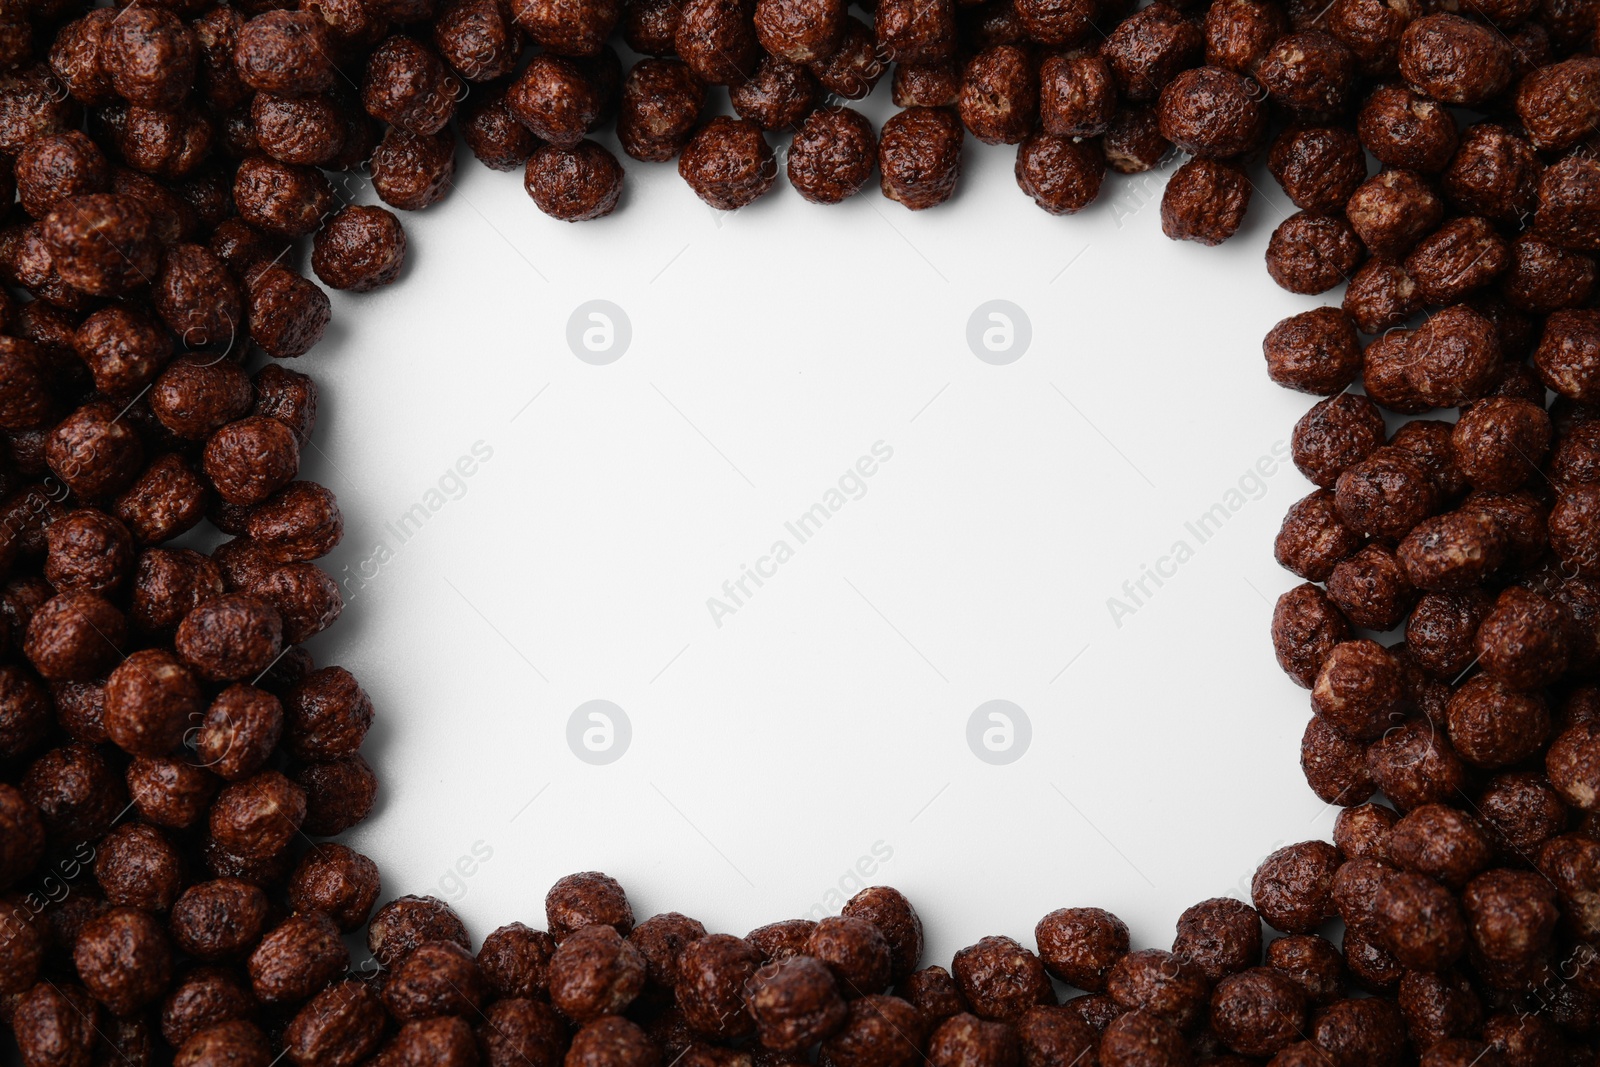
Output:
x,y
824,723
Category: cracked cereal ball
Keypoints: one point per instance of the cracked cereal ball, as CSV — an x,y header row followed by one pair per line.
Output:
x,y
240,729
1313,538
717,39
1576,458
136,866
1464,255
555,99
1238,33
340,1026
779,95
1258,1012
574,184
1306,625
55,166
832,155
1205,201
284,52
712,975
1407,130
1334,435
1371,589
1077,95
889,910
1391,211
406,922
493,133
999,95
296,959
435,978
1061,174
1559,104
124,959
150,703
854,68
75,636
587,899
477,39
359,248
1142,1039
281,198
1569,204
1150,47
412,171
1453,551
1314,351
1442,842
1500,442
1213,113
878,1031
1310,254
1523,640
1440,631
794,1003
1319,167
660,107
967,1041
1493,173
803,31
1568,356
408,86
1001,979
101,243
1292,889
1454,60
1360,691
1219,937
728,163
1511,914
1452,357
1419,921
1309,72
1157,982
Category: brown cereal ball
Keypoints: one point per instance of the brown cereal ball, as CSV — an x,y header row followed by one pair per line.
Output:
x,y
408,86
136,866
406,922
75,58
124,959
1205,201
1160,983
555,99
150,56
22,952
88,550
1462,256
877,1030
1310,254
1319,167
167,585
1428,442
1453,357
1219,937
25,396
259,817
1360,690
515,961
296,959
340,1026
779,95
1569,204
1511,915
1142,1039
567,28
1077,95
359,248
1414,764
1258,1012
435,978
74,637
1371,588
150,703
243,248
76,793
801,31
999,95
660,938
934,994
287,313
1523,642
1149,48
339,794
780,940
413,171
1313,538
574,184
1335,767
250,459
306,130
919,157
1310,72
53,167
22,844
1441,628
521,1031
477,39
1061,174
169,791
1442,842
1454,60
1292,887
1405,129
648,26
25,712
1372,31
298,523
124,346
1542,277
1576,458
284,52
1419,921
1311,962
1314,351
1451,552
281,198
1360,1031
1493,173
1212,113
660,107
1001,979
1439,1006
446,1041
1132,142
1392,210
728,163
1306,625
493,133
712,973
337,881
832,155
855,950
717,39
105,244
239,732
1384,495
1558,103
1055,1035
1500,442
1568,356
197,297
1334,435
586,899
855,67
889,910
794,1003
306,596
230,638
327,715
612,1041
967,1041
32,102
203,997
1239,32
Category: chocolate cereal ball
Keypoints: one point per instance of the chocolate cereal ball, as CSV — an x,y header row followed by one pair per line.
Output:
x,y
151,701
284,52
1062,174
999,95
800,31
878,1030
493,133
1219,937
1454,60
966,1039
1314,351
1319,167
728,163
712,975
1569,204
1258,1012
1292,887
359,248
660,107
1384,495
1557,104
587,899
1001,979
124,959
919,157
1442,842
1334,435
53,167
1493,173
1310,254
1081,945
515,961
296,959
1149,48
717,39
777,96
406,922
1160,983
1205,201
794,1003
1077,95
1212,113
832,155
74,637
1405,129
856,951
556,100
1306,625
101,243
574,184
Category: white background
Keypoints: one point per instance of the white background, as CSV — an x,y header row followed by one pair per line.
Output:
x,y
770,349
